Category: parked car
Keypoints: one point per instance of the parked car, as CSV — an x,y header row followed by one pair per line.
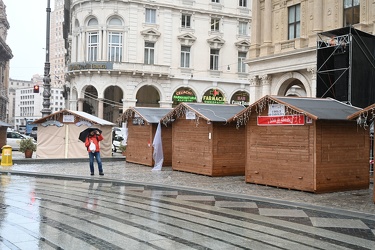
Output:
x,y
22,129
116,142
34,133
14,138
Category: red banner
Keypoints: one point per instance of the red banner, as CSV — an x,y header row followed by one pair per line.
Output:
x,y
281,120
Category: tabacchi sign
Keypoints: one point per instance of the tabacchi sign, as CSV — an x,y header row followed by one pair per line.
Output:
x,y
281,120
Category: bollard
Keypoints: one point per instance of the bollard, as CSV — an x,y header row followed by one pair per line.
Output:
x,y
6,156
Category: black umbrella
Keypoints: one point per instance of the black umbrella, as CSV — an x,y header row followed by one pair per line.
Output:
x,y
85,133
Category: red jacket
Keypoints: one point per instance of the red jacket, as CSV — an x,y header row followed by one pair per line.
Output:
x,y
95,139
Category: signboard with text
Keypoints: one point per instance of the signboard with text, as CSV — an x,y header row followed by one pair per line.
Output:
x,y
184,95
281,120
213,96
276,109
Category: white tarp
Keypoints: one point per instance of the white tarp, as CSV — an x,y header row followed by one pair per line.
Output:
x,y
158,149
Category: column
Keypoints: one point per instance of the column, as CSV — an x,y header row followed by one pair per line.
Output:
x,y
313,86
266,84
127,103
267,34
100,108
80,104
256,25
254,87
318,18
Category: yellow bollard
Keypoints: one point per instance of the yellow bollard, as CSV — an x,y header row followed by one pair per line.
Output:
x,y
6,156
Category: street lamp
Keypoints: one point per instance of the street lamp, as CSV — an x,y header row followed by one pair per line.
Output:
x,y
46,79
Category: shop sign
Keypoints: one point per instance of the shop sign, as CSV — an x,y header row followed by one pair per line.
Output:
x,y
278,120
276,109
91,65
184,95
213,96
241,98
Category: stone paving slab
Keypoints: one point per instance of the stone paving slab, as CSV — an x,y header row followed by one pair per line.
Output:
x,y
360,201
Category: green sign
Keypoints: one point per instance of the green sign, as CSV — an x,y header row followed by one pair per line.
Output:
x,y
213,96
184,95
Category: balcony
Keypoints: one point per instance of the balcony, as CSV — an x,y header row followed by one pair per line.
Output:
x,y
101,67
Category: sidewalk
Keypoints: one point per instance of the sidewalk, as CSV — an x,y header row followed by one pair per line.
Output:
x,y
116,169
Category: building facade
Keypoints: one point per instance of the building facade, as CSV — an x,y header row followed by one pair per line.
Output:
x,y
27,103
5,56
13,86
156,53
283,51
57,45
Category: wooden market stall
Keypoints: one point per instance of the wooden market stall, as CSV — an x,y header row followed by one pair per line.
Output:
x,y
304,144
365,118
204,142
3,133
142,123
58,135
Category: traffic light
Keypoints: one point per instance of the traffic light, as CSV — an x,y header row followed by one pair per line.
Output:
x,y
36,88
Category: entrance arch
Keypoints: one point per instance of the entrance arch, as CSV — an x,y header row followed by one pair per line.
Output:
x,y
293,84
148,96
112,104
90,103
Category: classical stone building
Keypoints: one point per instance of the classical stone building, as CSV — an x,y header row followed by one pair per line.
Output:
x,y
156,53
5,56
283,50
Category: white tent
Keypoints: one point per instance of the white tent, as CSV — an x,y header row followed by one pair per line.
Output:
x,y
58,135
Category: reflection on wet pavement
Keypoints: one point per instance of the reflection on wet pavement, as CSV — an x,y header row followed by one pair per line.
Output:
x,y
46,213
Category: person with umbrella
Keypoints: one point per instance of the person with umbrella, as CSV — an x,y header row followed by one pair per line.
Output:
x,y
93,148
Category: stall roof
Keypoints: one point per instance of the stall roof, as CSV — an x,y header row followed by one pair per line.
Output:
x,y
3,124
210,112
150,115
315,108
364,112
82,115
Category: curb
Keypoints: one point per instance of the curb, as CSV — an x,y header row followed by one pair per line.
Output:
x,y
59,160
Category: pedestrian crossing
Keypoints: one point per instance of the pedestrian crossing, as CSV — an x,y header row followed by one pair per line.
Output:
x,y
60,213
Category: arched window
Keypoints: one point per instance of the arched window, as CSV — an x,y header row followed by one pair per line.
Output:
x,y
115,40
92,22
115,21
92,41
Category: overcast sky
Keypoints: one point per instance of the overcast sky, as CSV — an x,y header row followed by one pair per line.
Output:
x,y
27,36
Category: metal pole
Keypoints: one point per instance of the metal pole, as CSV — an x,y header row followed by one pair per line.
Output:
x,y
47,79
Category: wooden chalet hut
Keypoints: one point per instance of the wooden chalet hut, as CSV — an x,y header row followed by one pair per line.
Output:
x,y
142,123
304,144
3,133
58,135
365,118
204,142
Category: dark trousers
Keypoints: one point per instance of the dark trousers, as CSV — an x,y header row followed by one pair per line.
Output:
x,y
98,160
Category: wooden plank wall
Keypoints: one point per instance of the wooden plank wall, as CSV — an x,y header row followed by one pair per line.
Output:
x,y
229,147
192,150
3,136
342,156
281,156
138,149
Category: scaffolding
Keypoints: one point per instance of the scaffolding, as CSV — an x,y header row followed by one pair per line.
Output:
x,y
345,66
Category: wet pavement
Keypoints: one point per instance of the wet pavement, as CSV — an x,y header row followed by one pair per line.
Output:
x,y
50,204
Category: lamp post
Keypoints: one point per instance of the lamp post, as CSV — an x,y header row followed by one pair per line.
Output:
x,y
47,79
